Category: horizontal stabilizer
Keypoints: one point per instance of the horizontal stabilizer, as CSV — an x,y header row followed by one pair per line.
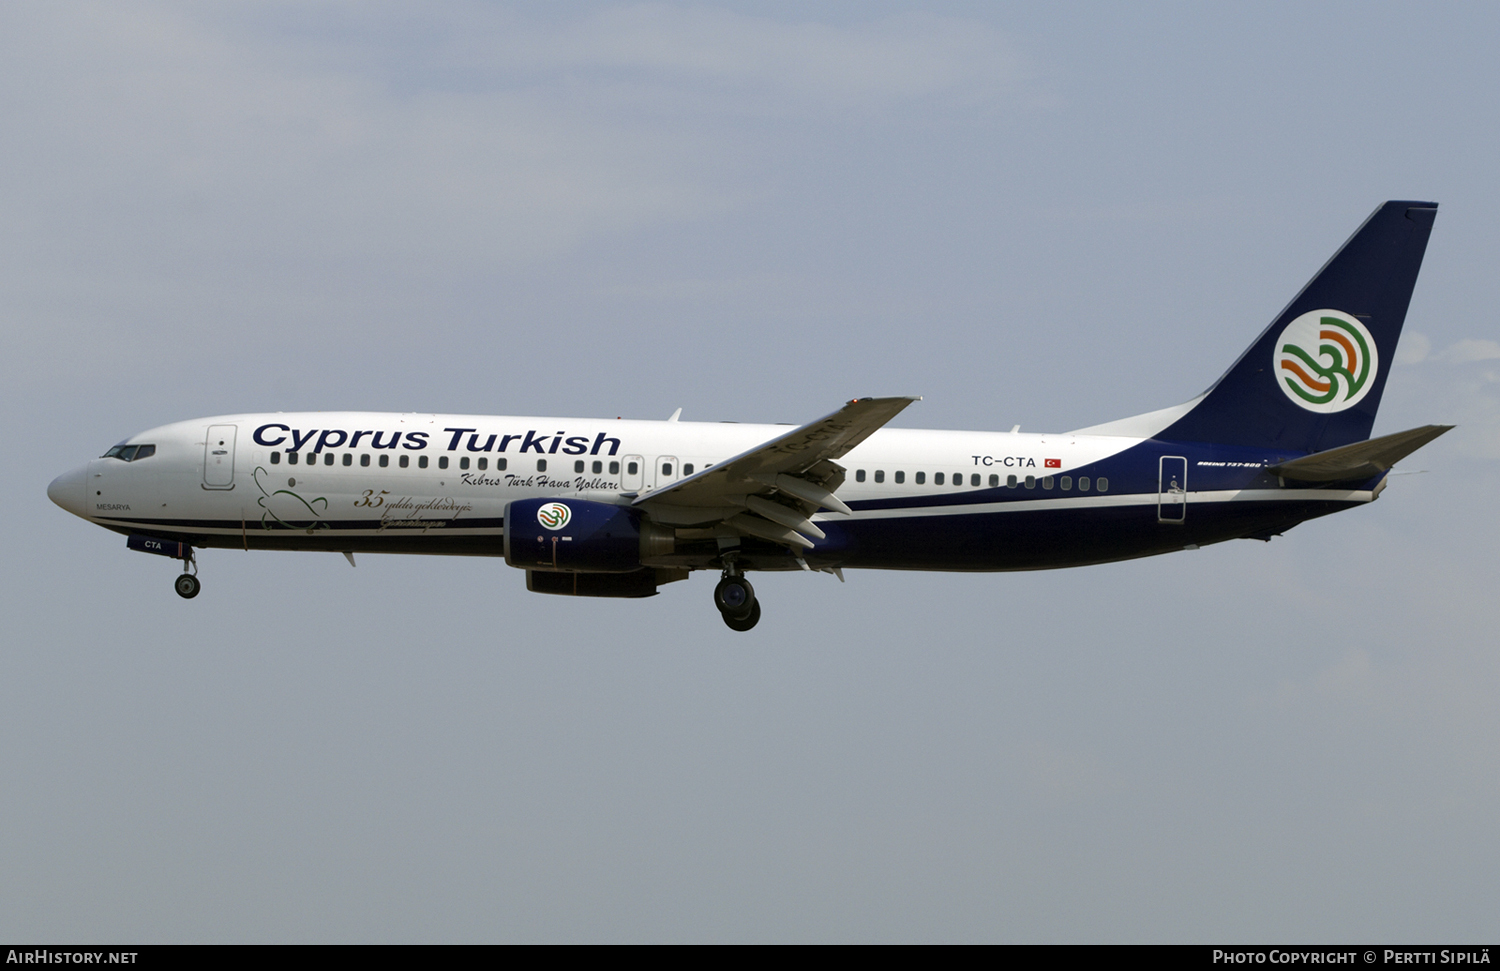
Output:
x,y
1360,460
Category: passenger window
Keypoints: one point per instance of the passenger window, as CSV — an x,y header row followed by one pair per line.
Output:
x,y
275,458
348,459
900,477
1031,482
938,478
483,464
597,467
421,461
921,478
880,475
541,465
1103,484
463,463
442,461
1083,483
327,458
405,460
994,482
500,465
666,468
1010,482
1066,482
859,475
631,468
1046,482
364,461
974,479
385,460
291,458
614,468
578,466
958,479
687,469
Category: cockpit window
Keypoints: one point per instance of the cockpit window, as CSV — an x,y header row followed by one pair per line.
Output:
x,y
130,453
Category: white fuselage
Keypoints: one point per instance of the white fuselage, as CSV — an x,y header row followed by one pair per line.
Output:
x,y
921,499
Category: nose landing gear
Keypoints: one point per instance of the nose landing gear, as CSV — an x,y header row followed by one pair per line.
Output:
x,y
187,584
735,598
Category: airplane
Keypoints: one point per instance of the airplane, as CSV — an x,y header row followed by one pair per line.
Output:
x,y
618,508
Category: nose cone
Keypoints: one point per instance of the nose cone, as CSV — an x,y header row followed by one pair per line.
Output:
x,y
67,490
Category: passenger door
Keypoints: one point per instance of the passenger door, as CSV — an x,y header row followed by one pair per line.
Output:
x,y
218,457
1171,490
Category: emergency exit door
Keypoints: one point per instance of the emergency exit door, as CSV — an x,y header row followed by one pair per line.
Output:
x,y
665,470
632,473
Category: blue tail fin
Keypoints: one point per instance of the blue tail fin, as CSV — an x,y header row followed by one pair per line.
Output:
x,y
1314,378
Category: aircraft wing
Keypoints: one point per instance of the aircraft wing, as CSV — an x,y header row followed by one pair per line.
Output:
x,y
1359,460
770,490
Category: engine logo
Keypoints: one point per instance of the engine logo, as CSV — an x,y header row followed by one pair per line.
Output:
x,y
1326,361
554,515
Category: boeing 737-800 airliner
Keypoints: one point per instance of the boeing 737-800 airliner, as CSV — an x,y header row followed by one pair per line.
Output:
x,y
601,508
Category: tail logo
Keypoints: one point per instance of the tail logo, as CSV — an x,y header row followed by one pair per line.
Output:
x,y
1326,361
554,515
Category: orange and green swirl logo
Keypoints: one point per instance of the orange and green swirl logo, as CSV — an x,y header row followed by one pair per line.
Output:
x,y
1326,360
554,515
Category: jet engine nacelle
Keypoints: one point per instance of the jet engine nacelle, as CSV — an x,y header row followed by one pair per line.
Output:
x,y
580,536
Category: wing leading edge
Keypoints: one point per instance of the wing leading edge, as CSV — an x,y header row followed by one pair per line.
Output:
x,y
771,490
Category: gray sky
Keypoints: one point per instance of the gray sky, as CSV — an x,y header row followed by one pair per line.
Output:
x,y
1049,214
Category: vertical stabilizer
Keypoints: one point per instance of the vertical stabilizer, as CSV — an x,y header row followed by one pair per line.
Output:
x,y
1313,379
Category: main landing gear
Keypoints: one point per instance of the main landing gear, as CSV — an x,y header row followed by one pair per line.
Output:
x,y
186,584
735,598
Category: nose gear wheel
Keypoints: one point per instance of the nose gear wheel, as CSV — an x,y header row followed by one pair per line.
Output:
x,y
187,584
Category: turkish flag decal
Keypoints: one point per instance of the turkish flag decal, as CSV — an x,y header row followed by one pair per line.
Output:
x,y
1053,463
